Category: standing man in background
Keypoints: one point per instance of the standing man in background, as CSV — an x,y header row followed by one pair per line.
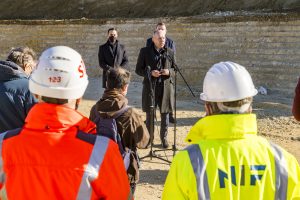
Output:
x,y
111,54
157,62
296,103
169,44
15,97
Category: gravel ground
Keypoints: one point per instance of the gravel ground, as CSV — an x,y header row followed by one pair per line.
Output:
x,y
274,122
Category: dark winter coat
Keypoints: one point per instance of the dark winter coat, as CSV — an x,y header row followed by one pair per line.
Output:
x,y
296,103
15,97
107,58
130,125
148,56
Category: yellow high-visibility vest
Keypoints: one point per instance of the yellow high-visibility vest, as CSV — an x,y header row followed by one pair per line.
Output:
x,y
227,160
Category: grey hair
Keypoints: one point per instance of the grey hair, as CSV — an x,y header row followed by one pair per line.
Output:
x,y
240,106
21,55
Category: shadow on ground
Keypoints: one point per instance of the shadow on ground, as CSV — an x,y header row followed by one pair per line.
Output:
x,y
153,177
181,122
186,121
275,104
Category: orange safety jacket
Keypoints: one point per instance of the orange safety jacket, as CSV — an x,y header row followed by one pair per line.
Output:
x,y
53,157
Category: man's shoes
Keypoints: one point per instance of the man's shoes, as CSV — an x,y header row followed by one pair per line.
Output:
x,y
171,119
165,144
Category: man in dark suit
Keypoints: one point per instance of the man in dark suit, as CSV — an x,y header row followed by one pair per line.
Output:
x,y
157,61
169,44
112,54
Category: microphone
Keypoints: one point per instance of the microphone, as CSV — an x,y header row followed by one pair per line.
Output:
x,y
162,51
172,61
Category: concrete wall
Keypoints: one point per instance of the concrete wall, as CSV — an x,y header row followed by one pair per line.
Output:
x,y
268,48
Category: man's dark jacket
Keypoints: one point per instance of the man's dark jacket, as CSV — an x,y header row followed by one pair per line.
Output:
x,y
148,56
15,97
107,58
131,127
296,103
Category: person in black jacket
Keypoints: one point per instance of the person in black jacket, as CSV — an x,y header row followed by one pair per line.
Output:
x,y
160,61
169,44
296,102
111,54
15,97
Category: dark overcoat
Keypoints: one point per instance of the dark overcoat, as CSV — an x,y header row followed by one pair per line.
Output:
x,y
15,98
148,57
107,58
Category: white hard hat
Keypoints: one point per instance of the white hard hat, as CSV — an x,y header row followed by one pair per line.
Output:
x,y
60,73
227,81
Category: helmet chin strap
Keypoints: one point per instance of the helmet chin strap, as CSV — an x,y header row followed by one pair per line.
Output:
x,y
77,104
242,109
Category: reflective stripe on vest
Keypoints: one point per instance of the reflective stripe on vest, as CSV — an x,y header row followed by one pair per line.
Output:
x,y
280,173
199,170
2,174
4,136
92,169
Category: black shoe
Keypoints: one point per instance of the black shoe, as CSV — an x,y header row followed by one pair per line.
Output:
x,y
165,144
171,119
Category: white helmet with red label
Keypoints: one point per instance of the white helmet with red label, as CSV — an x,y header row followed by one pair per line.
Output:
x,y
60,73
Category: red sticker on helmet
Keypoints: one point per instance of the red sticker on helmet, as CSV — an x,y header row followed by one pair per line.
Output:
x,y
81,69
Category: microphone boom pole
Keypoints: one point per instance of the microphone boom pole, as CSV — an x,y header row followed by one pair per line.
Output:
x,y
176,69
152,110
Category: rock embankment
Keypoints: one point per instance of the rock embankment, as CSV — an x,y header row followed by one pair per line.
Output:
x,y
94,9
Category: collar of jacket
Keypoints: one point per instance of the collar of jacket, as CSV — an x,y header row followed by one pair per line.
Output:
x,y
57,118
11,71
226,126
114,44
111,102
158,51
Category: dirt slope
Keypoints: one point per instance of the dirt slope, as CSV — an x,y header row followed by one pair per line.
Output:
x,y
66,9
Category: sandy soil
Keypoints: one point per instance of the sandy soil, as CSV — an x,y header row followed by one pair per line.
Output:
x,y
274,122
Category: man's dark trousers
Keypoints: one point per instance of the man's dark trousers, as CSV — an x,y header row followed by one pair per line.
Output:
x,y
164,124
